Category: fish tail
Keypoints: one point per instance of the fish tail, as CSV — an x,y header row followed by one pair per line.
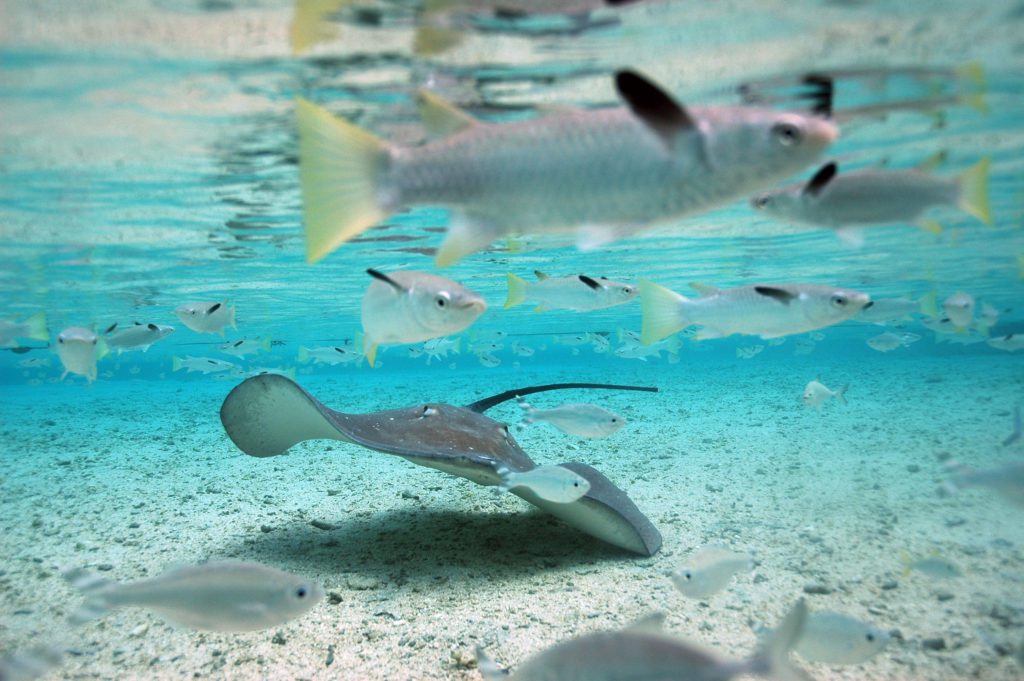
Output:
x,y
310,25
265,344
973,73
37,327
929,304
369,350
975,100
772,657
234,325
841,393
303,354
488,669
662,312
175,363
94,588
338,167
102,349
516,291
974,191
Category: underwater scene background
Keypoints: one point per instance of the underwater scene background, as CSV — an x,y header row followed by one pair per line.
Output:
x,y
148,152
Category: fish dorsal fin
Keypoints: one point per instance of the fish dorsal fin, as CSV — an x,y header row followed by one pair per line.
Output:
x,y
590,282
540,275
239,343
213,308
110,329
440,117
377,274
821,178
152,327
779,294
703,289
659,111
653,623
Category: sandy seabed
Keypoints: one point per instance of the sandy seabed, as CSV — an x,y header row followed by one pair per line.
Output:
x,y
130,477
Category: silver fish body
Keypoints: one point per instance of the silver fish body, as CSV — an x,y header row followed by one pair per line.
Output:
x,y
136,337
79,349
582,420
836,638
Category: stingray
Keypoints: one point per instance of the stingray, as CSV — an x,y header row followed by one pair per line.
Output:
x,y
267,414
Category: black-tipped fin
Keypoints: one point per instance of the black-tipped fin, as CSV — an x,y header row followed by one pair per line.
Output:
x,y
590,282
110,329
659,111
540,275
376,274
779,294
821,178
152,327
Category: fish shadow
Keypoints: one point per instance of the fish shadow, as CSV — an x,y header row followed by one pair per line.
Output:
x,y
433,545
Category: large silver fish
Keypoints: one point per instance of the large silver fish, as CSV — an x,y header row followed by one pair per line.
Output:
x,y
765,310
602,174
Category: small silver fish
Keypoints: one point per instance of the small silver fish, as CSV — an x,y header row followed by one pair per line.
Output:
x,y
552,483
765,310
600,173
835,638
959,308
816,393
408,307
581,420
522,349
1006,480
709,570
207,317
889,341
330,355
579,293
206,365
436,348
488,360
892,310
34,362
136,336
217,596
245,347
33,327
29,664
79,349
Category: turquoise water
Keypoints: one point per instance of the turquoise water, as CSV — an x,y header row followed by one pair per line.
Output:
x,y
149,159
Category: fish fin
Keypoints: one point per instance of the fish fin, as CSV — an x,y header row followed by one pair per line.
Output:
x,y
652,105
930,226
93,587
234,321
433,40
540,308
593,285
840,394
516,291
973,73
933,162
338,167
489,670
704,289
662,312
851,236
540,275
976,101
457,348
821,179
653,623
974,190
303,354
506,477
709,333
377,274
908,563
369,351
780,294
64,375
37,327
672,345
110,329
465,235
929,304
592,237
772,657
440,117
265,344
310,25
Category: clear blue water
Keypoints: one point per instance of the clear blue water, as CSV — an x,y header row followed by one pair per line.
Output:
x,y
148,159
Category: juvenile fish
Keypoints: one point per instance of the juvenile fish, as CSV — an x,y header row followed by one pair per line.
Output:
x,y
552,483
641,654
33,327
889,341
135,337
861,198
488,360
437,348
329,355
408,307
1006,480
835,638
522,350
205,365
709,570
79,349
217,596
34,362
632,349
959,309
765,310
243,348
579,293
816,393
600,173
207,317
581,420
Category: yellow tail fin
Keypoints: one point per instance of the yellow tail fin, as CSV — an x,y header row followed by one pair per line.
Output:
x,y
310,25
175,363
516,291
265,344
37,327
662,312
440,117
929,304
369,350
457,348
434,40
973,73
303,354
974,191
338,168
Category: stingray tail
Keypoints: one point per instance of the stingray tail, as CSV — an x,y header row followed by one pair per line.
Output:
x,y
974,191
96,590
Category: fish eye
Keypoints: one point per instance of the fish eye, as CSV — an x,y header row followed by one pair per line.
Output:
x,y
60,339
301,592
870,637
441,301
839,300
787,134
688,575
761,201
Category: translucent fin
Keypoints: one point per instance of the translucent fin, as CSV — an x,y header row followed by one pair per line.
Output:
x,y
440,117
434,40
369,351
974,191
703,289
93,587
930,226
303,354
310,25
662,312
933,162
465,235
457,348
487,667
929,304
37,327
175,363
265,344
841,394
851,236
772,658
516,291
338,168
976,101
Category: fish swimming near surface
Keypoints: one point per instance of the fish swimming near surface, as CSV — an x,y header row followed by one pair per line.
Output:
x,y
816,393
959,309
889,341
207,317
581,420
580,293
602,174
136,336
409,307
644,652
1006,480
205,365
1011,342
849,201
839,639
551,483
79,349
225,596
765,310
245,347
33,328
709,570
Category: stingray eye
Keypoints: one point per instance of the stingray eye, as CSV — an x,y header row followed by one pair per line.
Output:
x,y
301,592
787,134
839,300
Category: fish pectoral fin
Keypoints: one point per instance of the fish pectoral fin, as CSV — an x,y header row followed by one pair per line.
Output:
x,y
466,234
440,117
851,236
592,237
